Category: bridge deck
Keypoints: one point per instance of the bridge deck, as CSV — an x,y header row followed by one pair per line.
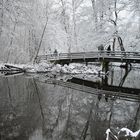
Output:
x,y
130,57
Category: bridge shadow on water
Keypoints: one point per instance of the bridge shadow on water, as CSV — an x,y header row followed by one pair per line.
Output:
x,y
104,86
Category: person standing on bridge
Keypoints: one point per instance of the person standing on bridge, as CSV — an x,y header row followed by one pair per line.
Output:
x,y
108,49
55,52
101,49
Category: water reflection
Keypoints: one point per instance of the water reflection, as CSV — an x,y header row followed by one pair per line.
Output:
x,y
109,79
124,77
33,110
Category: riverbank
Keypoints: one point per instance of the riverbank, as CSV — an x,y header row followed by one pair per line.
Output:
x,y
54,69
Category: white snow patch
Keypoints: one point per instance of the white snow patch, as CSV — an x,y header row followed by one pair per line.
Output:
x,y
135,134
129,132
107,134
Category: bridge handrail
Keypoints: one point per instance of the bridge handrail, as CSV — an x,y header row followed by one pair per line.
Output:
x,y
90,54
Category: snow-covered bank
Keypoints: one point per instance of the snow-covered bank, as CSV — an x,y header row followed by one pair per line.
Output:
x,y
124,133
54,69
76,69
129,133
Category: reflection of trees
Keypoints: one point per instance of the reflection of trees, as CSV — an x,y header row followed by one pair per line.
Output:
x,y
95,126
112,77
9,94
67,114
68,125
86,127
96,117
127,71
39,100
101,119
18,114
136,124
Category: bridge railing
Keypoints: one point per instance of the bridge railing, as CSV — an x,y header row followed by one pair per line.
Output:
x,y
96,54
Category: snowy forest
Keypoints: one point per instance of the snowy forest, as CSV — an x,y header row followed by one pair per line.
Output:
x,y
32,27
70,69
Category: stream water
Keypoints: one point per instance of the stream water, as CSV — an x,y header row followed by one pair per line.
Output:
x,y
32,109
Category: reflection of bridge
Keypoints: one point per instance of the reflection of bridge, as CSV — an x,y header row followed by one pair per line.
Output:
x,y
66,58
109,91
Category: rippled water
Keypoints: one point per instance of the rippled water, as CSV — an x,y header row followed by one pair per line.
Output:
x,y
31,109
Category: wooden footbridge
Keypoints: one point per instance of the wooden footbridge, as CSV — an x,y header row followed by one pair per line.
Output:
x,y
99,56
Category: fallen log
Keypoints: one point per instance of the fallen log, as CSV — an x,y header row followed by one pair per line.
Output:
x,y
14,67
11,68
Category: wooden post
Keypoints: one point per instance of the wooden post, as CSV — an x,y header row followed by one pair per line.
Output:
x,y
105,66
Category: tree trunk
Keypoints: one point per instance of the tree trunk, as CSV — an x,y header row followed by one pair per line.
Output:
x,y
114,21
139,25
41,39
94,13
74,24
66,25
1,16
121,44
11,42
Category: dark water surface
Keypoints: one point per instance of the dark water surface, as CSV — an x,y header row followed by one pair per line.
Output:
x,y
31,109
